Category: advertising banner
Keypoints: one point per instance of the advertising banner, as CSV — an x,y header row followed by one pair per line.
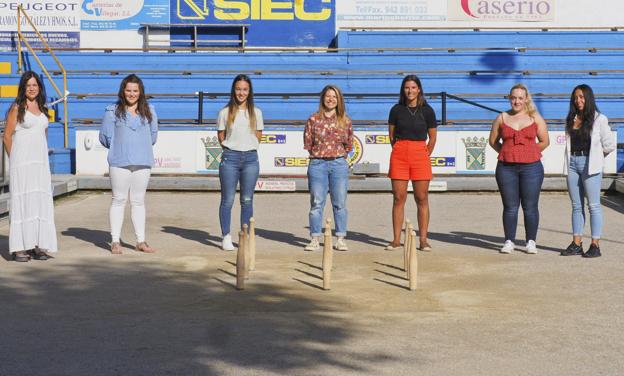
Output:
x,y
57,21
281,152
501,10
390,13
122,14
284,23
474,156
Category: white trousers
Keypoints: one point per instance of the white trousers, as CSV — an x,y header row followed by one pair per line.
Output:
x,y
132,181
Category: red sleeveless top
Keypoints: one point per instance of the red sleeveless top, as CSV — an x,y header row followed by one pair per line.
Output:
x,y
519,146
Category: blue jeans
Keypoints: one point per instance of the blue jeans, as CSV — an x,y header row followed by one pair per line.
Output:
x,y
581,186
237,166
332,176
520,183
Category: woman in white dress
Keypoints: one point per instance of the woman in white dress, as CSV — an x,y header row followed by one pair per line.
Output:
x,y
32,231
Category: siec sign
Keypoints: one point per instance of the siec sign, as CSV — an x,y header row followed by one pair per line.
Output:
x,y
270,10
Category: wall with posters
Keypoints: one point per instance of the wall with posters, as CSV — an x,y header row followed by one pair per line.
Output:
x,y
115,23
122,15
58,22
475,13
271,23
281,152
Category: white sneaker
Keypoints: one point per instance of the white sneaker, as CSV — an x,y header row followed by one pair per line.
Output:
x,y
341,244
314,245
531,247
508,247
226,243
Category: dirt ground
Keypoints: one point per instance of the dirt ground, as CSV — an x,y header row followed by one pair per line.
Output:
x,y
177,312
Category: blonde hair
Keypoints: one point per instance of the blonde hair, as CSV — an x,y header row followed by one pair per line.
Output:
x,y
341,115
529,106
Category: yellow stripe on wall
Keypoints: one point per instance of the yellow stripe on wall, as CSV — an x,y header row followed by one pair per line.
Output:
x,y
5,67
8,91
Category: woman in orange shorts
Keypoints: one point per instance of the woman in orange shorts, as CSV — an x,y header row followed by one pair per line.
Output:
x,y
412,127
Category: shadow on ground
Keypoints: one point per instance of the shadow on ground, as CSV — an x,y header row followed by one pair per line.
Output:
x,y
471,239
98,238
136,319
4,247
614,201
282,237
199,236
482,241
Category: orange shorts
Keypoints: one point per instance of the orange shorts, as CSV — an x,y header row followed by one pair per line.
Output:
x,y
410,161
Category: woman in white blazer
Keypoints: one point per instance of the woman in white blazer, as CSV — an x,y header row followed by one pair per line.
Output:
x,y
588,140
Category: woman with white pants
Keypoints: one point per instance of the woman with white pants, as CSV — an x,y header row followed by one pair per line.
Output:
x,y
129,130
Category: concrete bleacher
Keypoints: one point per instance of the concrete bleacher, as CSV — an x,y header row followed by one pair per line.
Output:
x,y
368,66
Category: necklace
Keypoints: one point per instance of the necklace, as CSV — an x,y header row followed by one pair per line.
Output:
x,y
413,113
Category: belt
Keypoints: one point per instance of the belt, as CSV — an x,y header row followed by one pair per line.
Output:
x,y
225,148
580,153
329,158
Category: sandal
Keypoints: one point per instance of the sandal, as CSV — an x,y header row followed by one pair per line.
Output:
x,y
21,256
425,247
116,248
38,254
145,248
391,247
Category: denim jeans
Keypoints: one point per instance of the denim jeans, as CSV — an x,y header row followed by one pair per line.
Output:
x,y
328,176
520,184
235,167
581,186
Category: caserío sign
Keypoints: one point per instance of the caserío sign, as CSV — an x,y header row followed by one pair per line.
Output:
x,y
501,10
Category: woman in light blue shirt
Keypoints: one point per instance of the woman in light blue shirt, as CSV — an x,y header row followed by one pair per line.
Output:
x,y
129,130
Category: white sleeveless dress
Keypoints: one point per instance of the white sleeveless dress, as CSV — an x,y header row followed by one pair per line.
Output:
x,y
31,211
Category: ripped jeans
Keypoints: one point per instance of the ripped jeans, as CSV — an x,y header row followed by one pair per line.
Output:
x,y
581,187
235,167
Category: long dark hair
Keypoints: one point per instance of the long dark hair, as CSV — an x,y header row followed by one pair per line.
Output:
x,y
233,104
142,106
20,100
421,97
586,115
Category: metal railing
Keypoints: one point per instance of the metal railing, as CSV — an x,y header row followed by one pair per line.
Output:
x,y
3,178
444,96
195,41
479,28
20,63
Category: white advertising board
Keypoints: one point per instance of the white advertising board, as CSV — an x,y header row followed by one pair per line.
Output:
x,y
282,153
475,13
474,156
58,22
502,10
389,11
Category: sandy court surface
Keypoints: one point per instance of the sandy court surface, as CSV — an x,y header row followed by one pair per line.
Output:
x,y
177,313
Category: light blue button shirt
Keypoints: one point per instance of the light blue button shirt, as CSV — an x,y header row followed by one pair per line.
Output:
x,y
129,140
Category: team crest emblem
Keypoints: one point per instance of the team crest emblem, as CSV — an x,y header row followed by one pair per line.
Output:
x,y
213,152
355,154
475,152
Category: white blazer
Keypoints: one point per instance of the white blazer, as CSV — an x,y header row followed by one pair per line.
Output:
x,y
602,144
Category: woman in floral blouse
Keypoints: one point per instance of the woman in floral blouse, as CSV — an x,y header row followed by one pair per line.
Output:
x,y
328,137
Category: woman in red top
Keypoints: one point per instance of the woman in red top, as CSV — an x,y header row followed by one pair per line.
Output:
x,y
520,172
